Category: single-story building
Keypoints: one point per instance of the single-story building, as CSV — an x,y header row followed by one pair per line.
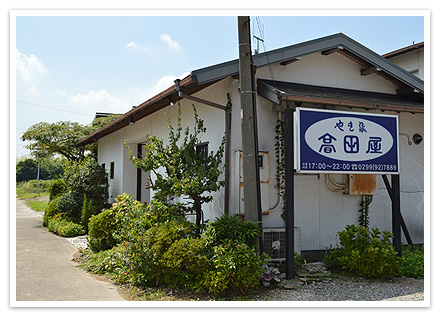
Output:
x,y
334,72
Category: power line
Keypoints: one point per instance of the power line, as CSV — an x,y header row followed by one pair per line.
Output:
x,y
34,104
264,47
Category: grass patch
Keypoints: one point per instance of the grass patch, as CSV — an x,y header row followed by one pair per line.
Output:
x,y
23,194
37,205
29,189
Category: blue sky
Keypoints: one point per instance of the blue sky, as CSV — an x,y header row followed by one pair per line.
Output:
x,y
70,67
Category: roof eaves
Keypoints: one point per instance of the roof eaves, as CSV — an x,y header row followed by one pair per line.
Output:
x,y
382,63
404,50
135,112
280,55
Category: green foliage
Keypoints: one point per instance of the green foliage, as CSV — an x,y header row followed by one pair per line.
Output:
x,y
365,253
112,261
146,252
364,218
185,264
187,173
133,217
26,189
126,220
413,262
70,203
37,205
26,170
279,151
158,247
236,267
58,187
88,210
51,210
64,226
227,227
299,261
101,229
46,139
89,178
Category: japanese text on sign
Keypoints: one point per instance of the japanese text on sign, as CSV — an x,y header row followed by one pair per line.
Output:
x,y
347,141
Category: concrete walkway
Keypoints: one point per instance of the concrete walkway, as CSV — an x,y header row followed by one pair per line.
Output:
x,y
44,267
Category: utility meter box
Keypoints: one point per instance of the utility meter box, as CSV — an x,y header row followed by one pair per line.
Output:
x,y
362,184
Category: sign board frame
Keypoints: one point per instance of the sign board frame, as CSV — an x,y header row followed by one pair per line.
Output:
x,y
345,142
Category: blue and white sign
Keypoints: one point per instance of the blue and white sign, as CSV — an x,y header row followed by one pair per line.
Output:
x,y
346,142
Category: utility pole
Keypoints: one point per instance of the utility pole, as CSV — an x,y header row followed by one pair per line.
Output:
x,y
38,178
249,135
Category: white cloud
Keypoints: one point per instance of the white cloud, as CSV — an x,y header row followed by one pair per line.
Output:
x,y
170,42
100,101
29,70
139,95
133,45
103,101
164,83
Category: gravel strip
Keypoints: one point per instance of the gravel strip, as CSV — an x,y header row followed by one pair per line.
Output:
x,y
347,289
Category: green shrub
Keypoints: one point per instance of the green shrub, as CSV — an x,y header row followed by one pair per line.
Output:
x,y
111,261
88,177
70,203
101,228
57,188
412,262
185,265
147,250
64,226
365,253
131,217
51,210
235,267
88,210
227,228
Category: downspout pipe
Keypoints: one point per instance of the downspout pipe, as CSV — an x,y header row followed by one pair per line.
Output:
x,y
227,110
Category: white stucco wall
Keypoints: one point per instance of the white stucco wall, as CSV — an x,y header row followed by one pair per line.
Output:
x,y
334,70
412,62
319,212
111,148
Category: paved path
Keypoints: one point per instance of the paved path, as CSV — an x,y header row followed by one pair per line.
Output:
x,y
44,270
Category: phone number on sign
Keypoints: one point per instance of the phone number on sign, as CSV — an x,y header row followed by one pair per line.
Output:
x,y
349,167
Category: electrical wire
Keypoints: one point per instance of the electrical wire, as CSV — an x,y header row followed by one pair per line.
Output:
x,y
264,48
35,104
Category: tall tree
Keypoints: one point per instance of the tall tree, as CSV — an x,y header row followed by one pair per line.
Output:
x,y
188,174
48,139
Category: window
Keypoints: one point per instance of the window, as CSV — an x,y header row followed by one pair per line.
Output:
x,y
112,170
202,149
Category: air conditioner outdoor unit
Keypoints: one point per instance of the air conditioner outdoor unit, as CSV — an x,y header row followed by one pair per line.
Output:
x,y
274,242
